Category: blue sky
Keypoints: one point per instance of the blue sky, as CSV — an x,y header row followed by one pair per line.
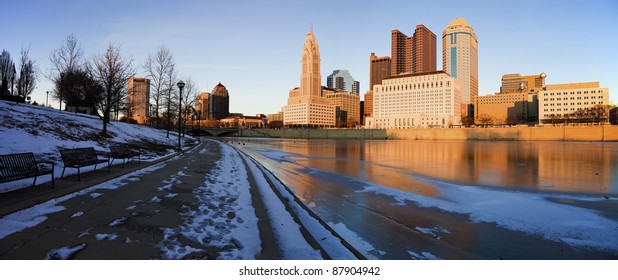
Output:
x,y
254,47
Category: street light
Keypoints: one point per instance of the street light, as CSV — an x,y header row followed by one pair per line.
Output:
x,y
61,78
180,85
47,99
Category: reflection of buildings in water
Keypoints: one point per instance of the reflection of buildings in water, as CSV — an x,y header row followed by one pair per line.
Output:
x,y
575,167
502,164
547,166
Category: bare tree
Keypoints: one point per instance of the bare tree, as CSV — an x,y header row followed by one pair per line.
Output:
x,y
171,78
112,71
27,74
66,59
157,67
7,72
484,120
189,96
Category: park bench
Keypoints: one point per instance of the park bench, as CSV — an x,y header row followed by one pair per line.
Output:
x,y
15,167
124,152
80,157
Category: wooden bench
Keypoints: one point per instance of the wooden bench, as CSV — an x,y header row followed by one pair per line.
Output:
x,y
15,167
80,157
124,152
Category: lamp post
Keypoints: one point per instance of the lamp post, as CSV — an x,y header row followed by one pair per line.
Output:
x,y
47,99
61,79
180,85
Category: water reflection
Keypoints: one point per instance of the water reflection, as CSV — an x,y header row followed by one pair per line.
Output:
x,y
328,175
541,166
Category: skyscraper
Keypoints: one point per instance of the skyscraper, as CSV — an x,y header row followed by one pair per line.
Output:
x,y
460,60
138,99
342,80
307,104
398,53
423,50
379,69
415,54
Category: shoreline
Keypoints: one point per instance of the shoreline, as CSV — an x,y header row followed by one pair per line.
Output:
x,y
601,133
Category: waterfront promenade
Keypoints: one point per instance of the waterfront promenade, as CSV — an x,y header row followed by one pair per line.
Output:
x,y
201,204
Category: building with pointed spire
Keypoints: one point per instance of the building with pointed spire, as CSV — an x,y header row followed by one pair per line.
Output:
x,y
460,60
307,104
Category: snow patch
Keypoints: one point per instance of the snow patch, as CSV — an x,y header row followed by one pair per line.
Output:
x,y
64,253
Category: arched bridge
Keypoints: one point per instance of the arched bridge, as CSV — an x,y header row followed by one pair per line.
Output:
x,y
208,131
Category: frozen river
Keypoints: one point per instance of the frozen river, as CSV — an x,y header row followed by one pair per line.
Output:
x,y
456,199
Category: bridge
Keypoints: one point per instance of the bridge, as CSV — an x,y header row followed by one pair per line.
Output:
x,y
210,131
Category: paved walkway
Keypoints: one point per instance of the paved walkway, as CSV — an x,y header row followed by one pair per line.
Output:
x,y
130,219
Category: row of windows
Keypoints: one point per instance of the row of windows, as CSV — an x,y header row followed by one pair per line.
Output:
x,y
414,86
573,98
572,103
572,92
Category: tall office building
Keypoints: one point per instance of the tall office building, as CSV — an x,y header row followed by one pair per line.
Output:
x,y
138,99
307,104
415,54
423,50
379,68
460,60
342,80
399,51
219,103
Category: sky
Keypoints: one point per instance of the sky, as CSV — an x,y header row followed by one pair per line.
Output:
x,y
254,47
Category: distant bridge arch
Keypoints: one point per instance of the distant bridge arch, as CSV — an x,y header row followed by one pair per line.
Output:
x,y
216,132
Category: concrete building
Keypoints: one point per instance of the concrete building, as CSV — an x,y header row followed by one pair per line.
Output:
x,y
138,99
347,107
564,102
342,80
219,103
416,100
414,54
515,103
460,60
307,105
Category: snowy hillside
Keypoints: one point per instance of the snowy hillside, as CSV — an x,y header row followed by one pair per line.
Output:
x,y
43,131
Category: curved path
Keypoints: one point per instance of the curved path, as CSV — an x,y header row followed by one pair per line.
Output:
x,y
207,203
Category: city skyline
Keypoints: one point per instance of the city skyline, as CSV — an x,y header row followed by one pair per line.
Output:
x,y
235,42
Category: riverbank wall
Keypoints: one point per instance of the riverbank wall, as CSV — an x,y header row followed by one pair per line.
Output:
x,y
523,133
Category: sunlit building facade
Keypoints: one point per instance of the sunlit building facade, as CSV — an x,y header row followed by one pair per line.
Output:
x,y
414,54
416,100
307,105
559,101
460,60
516,102
138,99
347,107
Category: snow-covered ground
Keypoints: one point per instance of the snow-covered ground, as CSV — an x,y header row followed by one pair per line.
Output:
x,y
43,131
